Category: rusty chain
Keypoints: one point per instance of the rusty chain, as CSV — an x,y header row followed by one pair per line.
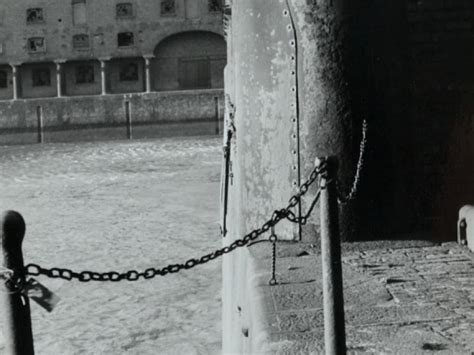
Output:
x,y
134,275
344,198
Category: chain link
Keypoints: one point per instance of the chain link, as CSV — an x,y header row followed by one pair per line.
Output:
x,y
227,149
14,282
273,239
134,275
344,198
231,110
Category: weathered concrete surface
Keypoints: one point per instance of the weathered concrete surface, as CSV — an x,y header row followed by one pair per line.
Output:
x,y
286,80
260,82
327,121
401,298
265,100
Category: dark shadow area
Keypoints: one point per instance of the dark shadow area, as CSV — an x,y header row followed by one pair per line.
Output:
x,y
410,71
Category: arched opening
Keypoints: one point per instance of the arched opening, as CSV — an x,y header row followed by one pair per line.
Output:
x,y
188,61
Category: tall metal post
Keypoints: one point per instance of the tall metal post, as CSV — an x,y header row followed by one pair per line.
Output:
x,y
334,327
128,118
17,319
40,123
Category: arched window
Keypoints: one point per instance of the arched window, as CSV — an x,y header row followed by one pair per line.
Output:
x,y
190,60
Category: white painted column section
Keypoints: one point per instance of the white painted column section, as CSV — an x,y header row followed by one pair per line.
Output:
x,y
148,73
59,79
15,81
103,76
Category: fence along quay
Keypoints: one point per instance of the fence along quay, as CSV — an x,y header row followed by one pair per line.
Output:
x,y
18,288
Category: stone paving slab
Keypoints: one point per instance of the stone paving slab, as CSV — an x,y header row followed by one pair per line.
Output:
x,y
399,298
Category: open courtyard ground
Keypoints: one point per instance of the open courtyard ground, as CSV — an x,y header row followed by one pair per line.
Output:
x,y
118,206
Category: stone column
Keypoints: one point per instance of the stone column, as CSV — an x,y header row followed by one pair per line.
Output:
x,y
329,126
103,74
148,72
59,77
15,80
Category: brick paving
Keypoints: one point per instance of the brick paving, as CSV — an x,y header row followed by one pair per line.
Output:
x,y
405,298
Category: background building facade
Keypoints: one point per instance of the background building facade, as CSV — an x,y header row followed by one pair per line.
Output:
x,y
77,48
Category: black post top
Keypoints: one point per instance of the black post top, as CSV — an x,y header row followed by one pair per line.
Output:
x,y
13,229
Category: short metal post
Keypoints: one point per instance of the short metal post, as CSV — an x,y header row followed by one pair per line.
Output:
x,y
216,112
39,118
128,118
17,319
334,327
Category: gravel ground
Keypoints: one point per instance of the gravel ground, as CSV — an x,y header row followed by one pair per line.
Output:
x,y
120,206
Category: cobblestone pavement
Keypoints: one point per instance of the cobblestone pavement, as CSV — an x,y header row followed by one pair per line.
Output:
x,y
399,299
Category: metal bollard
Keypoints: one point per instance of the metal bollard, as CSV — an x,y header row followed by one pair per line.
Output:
x,y
40,124
17,321
128,118
334,323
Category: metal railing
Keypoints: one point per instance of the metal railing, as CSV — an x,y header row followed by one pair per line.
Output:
x,y
18,330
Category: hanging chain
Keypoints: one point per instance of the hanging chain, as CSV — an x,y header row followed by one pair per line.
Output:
x,y
360,165
230,107
273,239
134,275
227,172
304,219
231,110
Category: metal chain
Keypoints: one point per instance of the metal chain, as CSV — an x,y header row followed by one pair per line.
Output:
x,y
14,283
231,111
273,239
134,275
360,165
304,219
227,163
230,108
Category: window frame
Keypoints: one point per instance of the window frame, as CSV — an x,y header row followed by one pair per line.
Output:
x,y
36,21
168,14
126,16
75,42
36,70
219,9
77,67
132,44
4,83
136,76
43,47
